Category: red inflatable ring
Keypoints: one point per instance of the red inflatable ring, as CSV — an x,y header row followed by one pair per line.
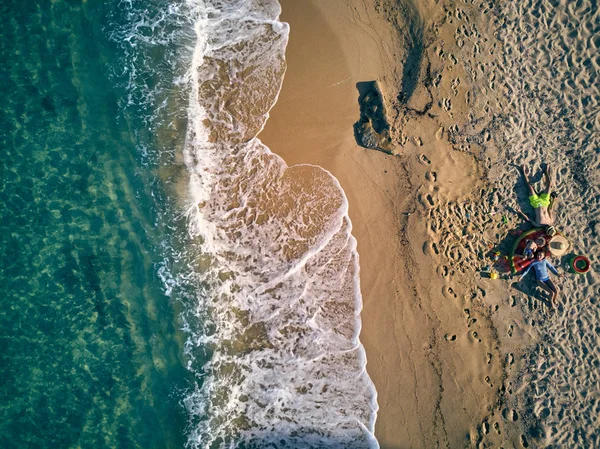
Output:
x,y
580,264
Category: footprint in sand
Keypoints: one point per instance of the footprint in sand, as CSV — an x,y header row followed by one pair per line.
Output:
x,y
448,292
485,427
510,330
510,414
428,248
497,428
488,381
510,358
488,358
513,301
544,413
431,176
443,271
439,134
426,201
450,337
454,85
446,104
524,442
424,160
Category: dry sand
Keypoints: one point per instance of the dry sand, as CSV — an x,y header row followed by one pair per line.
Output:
x,y
446,345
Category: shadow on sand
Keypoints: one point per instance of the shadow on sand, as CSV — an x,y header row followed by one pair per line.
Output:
x,y
415,47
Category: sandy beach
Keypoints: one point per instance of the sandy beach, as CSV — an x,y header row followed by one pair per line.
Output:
x,y
423,382
447,347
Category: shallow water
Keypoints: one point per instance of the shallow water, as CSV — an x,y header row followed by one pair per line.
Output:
x,y
90,352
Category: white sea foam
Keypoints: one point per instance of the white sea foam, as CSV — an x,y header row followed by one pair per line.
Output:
x,y
278,296
268,271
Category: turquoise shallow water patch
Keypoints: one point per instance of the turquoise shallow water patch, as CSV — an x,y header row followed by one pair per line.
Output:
x,y
90,354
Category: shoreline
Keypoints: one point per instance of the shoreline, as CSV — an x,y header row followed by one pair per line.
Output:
x,y
431,344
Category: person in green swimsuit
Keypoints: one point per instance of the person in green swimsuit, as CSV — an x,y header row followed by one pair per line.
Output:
x,y
541,202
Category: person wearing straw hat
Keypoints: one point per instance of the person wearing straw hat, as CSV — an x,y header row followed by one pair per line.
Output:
x,y
541,267
542,202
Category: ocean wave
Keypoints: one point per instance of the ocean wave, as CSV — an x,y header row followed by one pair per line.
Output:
x,y
268,272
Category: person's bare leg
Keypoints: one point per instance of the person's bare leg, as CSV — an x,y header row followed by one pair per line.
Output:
x,y
548,175
550,288
553,195
525,171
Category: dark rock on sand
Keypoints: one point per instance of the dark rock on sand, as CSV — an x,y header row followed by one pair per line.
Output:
x,y
372,129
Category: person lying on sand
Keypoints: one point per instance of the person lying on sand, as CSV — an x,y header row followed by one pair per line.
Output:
x,y
532,245
542,203
541,266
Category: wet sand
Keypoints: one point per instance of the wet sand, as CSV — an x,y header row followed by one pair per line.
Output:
x,y
446,345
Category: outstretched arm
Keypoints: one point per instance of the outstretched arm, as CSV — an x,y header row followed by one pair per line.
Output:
x,y
551,267
525,172
525,272
548,175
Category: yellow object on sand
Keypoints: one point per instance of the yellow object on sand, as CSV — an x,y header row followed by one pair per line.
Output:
x,y
493,275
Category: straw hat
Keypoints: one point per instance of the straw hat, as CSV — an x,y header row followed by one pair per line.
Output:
x,y
558,245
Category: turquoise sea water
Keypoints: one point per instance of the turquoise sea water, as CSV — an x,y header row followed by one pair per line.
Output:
x,y
90,351
166,280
